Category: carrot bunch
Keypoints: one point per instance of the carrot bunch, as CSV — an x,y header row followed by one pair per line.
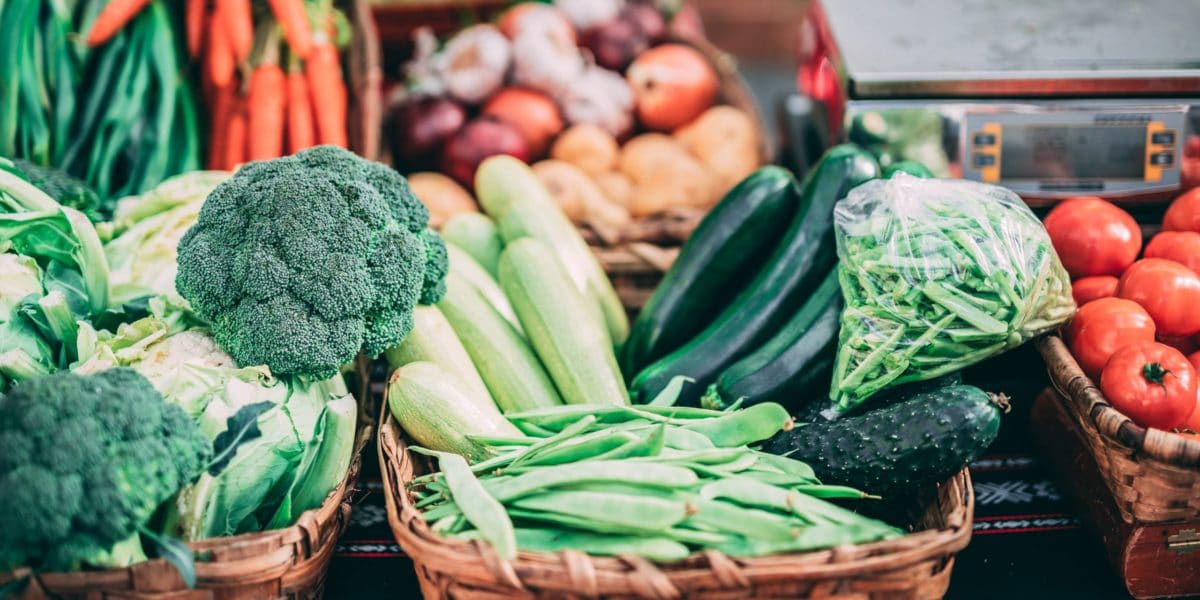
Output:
x,y
274,84
271,70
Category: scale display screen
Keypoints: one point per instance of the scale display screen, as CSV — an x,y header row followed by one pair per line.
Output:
x,y
1073,152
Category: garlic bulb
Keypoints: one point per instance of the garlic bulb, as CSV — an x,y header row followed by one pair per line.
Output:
x,y
474,62
599,97
546,61
584,14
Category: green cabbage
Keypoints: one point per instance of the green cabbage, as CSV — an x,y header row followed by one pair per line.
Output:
x,y
147,229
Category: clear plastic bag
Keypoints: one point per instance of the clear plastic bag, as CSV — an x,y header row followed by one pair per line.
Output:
x,y
938,274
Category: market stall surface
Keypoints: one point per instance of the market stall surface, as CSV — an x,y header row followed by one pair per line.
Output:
x,y
1027,543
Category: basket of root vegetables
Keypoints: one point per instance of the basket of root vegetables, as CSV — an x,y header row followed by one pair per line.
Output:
x,y
635,127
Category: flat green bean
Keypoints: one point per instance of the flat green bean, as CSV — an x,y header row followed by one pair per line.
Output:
x,y
659,549
670,393
752,424
747,522
616,509
808,538
482,510
593,471
566,434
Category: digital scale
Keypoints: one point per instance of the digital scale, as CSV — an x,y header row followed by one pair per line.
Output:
x,y
1049,99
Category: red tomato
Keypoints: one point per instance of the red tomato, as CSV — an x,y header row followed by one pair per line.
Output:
x,y
1169,291
1152,384
1102,327
1093,288
1093,237
1193,422
1184,212
1182,247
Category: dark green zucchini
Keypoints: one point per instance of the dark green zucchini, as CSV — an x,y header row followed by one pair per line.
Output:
x,y
924,439
911,167
822,408
786,280
719,257
788,368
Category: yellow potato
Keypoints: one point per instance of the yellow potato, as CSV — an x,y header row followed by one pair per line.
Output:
x,y
679,184
572,188
562,181
616,186
725,140
442,196
646,154
718,127
731,165
588,147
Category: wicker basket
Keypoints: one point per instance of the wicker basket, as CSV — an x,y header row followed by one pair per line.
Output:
x,y
1154,475
916,566
283,564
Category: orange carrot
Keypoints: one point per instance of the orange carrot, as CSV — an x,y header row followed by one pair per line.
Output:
x,y
235,134
220,65
266,104
194,21
293,17
299,112
239,25
222,104
112,18
327,91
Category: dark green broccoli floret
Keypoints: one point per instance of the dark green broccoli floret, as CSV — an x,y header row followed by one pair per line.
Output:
x,y
437,263
302,261
65,189
85,460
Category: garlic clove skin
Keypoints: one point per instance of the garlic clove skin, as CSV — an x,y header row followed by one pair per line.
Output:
x,y
599,97
474,62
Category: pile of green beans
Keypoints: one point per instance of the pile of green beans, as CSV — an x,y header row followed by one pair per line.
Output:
x,y
121,117
657,481
938,275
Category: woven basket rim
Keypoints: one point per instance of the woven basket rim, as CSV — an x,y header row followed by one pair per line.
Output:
x,y
1088,401
476,562
316,530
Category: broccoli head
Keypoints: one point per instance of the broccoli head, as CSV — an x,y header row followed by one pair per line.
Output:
x,y
65,189
85,460
300,262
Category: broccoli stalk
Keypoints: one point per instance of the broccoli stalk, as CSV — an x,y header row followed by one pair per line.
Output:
x,y
17,364
60,321
122,554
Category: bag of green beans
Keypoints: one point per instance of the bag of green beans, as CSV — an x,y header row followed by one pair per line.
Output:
x,y
938,274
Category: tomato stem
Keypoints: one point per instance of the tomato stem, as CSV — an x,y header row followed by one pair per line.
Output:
x,y
1154,372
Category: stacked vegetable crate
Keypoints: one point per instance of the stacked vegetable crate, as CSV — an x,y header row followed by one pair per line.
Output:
x,y
1140,487
288,563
